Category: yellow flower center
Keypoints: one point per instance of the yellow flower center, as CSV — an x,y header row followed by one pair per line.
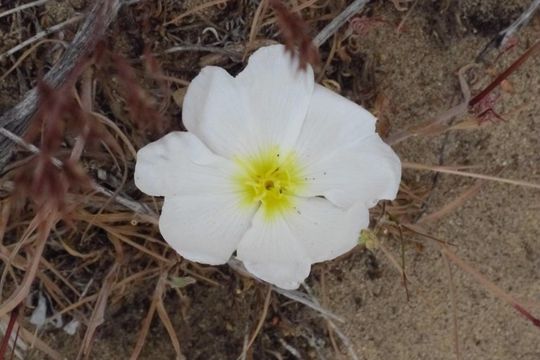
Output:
x,y
270,179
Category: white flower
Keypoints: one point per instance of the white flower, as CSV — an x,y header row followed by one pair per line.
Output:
x,y
274,167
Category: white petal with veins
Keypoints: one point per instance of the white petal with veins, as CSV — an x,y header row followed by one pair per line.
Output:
x,y
332,122
278,96
204,228
365,171
179,163
270,251
324,230
216,110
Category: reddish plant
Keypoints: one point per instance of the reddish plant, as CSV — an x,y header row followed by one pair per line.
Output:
x,y
141,106
484,110
295,33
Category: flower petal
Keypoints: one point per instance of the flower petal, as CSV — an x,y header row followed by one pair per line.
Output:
x,y
332,122
215,109
324,230
365,171
179,163
204,228
279,95
270,251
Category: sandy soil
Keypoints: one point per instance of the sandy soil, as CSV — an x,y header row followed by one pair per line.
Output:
x,y
496,231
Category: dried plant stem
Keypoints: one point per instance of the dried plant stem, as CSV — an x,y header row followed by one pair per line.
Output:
x,y
454,307
17,119
99,312
521,21
453,205
157,305
22,7
261,321
490,286
446,170
468,102
40,35
294,295
22,291
146,213
339,21
255,24
27,53
195,10
506,73
344,339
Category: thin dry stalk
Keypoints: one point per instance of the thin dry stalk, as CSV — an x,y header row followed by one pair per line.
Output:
x,y
99,311
339,21
437,125
8,332
453,205
44,228
294,295
344,339
490,286
40,35
31,338
195,10
446,170
260,323
145,327
166,321
452,286
256,24
481,279
22,7
506,73
506,34
18,118
28,53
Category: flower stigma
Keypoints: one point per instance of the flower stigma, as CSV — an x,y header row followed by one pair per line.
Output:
x,y
269,179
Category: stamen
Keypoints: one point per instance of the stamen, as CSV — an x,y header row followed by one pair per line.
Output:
x,y
271,180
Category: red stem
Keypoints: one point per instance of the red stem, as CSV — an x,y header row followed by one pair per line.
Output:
x,y
506,73
9,329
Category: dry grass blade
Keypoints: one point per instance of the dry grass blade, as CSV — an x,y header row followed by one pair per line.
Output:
x,y
40,35
22,7
395,263
255,24
344,339
17,119
454,308
445,170
22,291
506,73
31,338
520,22
164,317
339,21
291,294
487,284
260,323
9,332
98,314
454,204
156,299
481,279
195,10
27,53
